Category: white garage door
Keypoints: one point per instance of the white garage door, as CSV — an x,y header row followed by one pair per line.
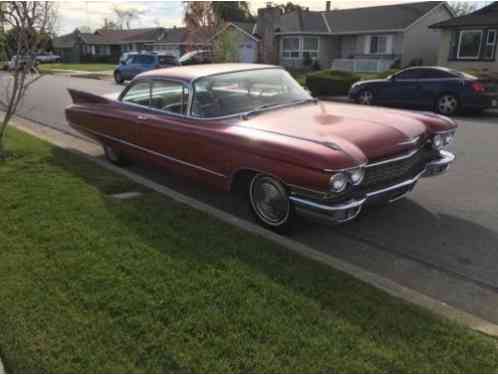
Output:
x,y
248,53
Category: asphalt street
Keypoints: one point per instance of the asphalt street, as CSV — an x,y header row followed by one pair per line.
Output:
x,y
442,240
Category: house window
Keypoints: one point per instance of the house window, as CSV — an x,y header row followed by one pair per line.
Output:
x,y
489,51
379,45
310,47
469,45
290,48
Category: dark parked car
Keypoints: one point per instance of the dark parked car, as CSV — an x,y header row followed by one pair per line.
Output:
x,y
142,62
253,128
443,90
196,58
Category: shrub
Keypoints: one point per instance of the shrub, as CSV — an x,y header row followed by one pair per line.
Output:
x,y
330,82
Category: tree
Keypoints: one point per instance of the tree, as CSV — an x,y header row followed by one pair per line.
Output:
x,y
226,46
85,29
461,8
30,22
232,11
124,17
200,21
110,25
290,7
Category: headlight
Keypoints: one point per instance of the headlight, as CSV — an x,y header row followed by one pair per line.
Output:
x,y
357,175
338,182
438,141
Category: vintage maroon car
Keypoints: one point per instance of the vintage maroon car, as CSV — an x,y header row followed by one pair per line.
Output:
x,y
253,127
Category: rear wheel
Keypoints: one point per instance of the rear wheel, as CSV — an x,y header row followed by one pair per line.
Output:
x,y
365,97
270,203
115,157
447,105
118,77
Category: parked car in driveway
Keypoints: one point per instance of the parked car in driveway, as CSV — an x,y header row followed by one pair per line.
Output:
x,y
20,62
442,90
47,57
253,128
142,62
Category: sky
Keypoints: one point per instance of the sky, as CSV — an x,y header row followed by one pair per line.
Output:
x,y
73,14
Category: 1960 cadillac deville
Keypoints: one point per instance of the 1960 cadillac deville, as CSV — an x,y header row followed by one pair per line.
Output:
x,y
252,127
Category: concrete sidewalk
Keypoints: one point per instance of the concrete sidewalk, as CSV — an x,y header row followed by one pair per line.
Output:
x,y
94,152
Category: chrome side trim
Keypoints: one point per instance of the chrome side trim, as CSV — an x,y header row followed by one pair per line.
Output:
x,y
398,158
151,152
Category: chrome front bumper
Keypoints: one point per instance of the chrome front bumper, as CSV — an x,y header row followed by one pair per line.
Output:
x,y
347,211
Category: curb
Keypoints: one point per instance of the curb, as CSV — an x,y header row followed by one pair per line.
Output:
x,y
90,151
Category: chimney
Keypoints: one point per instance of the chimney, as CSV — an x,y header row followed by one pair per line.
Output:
x,y
267,22
327,6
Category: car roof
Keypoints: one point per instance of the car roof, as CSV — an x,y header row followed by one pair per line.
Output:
x,y
191,72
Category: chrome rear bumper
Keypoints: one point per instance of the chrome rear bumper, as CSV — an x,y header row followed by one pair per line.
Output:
x,y
347,211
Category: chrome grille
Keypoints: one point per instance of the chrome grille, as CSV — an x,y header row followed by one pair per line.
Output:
x,y
379,174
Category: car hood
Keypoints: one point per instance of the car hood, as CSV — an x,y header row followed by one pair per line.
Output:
x,y
363,133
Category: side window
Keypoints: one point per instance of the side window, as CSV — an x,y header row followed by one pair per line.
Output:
x,y
409,74
169,96
435,74
138,94
147,60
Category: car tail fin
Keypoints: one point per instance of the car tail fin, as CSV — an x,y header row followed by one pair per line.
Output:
x,y
80,97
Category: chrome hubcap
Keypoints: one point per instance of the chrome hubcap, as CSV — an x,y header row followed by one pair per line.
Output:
x,y
447,104
269,200
366,97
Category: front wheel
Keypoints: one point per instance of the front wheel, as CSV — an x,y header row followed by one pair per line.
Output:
x,y
365,97
270,203
447,105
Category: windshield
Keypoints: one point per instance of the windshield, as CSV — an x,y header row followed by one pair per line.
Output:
x,y
240,92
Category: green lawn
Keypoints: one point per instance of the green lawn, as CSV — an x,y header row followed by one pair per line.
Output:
x,y
47,68
93,284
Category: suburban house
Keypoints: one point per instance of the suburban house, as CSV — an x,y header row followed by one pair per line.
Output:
x,y
470,41
245,37
361,39
108,45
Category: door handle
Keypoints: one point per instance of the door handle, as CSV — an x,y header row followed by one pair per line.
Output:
x,y
142,117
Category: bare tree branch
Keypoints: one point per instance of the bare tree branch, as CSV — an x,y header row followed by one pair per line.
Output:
x,y
30,22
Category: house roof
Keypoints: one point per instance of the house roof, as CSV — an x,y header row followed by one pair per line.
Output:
x,y
304,21
112,37
357,20
246,28
487,16
379,18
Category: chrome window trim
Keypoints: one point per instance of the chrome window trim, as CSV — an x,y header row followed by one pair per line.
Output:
x,y
160,111
170,158
190,86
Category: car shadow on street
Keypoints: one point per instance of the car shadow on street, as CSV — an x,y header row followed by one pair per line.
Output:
x,y
404,229
409,230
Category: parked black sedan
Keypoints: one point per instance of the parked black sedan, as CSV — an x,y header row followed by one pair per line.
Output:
x,y
439,89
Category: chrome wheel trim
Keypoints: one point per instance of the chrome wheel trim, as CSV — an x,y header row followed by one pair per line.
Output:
x,y
447,104
269,200
365,97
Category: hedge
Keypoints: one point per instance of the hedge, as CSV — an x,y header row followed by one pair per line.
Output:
x,y
330,82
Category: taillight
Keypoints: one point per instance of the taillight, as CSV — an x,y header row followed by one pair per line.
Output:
x,y
478,87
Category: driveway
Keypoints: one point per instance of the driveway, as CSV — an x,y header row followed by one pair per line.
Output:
x,y
442,240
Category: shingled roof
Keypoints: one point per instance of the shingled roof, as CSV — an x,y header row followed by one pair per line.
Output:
x,y
345,21
487,16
